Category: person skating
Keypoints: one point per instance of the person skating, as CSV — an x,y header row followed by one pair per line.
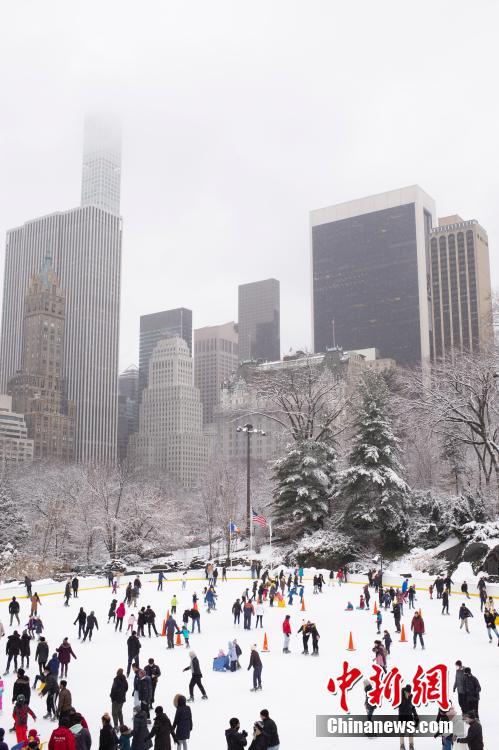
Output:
x,y
407,712
151,621
65,652
418,629
464,589
256,663
161,731
64,700
196,677
120,616
20,715
53,664
182,723
128,594
13,649
259,613
236,611
463,616
379,621
315,639
379,652
51,690
67,593
171,628
81,619
41,655
125,738
173,604
459,685
260,739
445,602
131,623
154,673
305,633
387,639
195,616
224,573
141,622
133,647
62,738
35,601
75,585
490,623
396,616
91,624
248,612
286,629
235,739
14,610
142,686
474,737
111,615
270,729
472,691
3,744
21,687
119,689
140,731
107,735
25,648
81,734
448,582
161,578
27,583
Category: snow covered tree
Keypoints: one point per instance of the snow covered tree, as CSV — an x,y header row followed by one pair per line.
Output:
x,y
13,529
372,495
304,480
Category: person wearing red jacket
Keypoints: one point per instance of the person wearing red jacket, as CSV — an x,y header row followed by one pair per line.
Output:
x,y
417,627
62,738
120,616
286,629
20,715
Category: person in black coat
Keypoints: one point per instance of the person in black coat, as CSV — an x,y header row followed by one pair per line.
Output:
x,y
107,737
471,691
260,739
25,648
139,730
257,665
236,740
13,649
75,584
133,646
196,676
14,610
270,728
81,619
474,738
91,624
182,723
21,687
118,693
161,730
407,711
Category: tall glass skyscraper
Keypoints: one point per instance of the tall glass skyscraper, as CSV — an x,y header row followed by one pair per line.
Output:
x,y
370,279
259,320
101,174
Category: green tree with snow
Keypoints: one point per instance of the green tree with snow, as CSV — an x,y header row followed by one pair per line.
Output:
x,y
371,494
303,486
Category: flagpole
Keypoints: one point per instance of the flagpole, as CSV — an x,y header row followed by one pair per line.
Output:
x,y
230,544
270,536
251,530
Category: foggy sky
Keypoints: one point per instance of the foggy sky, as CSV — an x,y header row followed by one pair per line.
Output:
x,y
238,119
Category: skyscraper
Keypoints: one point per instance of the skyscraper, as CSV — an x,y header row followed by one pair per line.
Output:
x,y
170,435
38,390
259,324
460,283
128,408
215,361
85,244
370,279
158,326
101,175
15,445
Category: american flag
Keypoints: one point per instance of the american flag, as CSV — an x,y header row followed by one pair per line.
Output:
x,y
259,519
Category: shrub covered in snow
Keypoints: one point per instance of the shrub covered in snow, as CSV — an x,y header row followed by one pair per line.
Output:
x,y
325,548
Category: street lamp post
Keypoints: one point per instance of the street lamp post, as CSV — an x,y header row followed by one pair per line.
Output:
x,y
249,430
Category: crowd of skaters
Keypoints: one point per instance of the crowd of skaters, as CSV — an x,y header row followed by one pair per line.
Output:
x,y
266,588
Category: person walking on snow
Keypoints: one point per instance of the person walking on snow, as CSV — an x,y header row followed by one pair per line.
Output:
x,y
490,623
418,630
120,616
133,649
35,601
67,593
464,615
196,677
91,624
161,578
445,602
65,652
464,589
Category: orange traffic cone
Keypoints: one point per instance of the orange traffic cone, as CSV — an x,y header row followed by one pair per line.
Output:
x,y
265,643
178,642
402,638
163,630
350,646
302,605
375,610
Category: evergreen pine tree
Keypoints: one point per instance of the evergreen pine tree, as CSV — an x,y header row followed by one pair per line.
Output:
x,y
304,480
371,494
13,529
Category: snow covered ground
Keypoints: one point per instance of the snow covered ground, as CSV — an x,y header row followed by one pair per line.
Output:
x,y
294,686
